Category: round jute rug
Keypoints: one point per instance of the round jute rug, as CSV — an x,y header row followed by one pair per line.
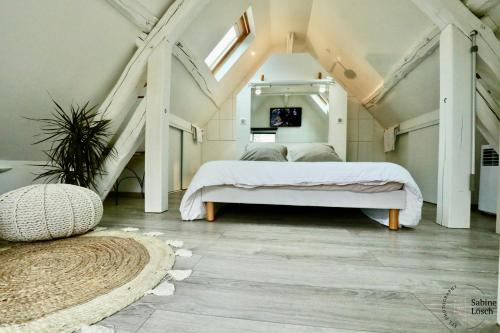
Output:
x,y
60,285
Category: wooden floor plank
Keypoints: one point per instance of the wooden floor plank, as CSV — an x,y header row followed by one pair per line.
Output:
x,y
300,305
291,269
193,323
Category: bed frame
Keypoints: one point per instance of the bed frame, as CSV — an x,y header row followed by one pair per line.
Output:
x,y
394,200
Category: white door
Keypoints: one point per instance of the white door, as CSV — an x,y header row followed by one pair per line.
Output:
x,y
175,160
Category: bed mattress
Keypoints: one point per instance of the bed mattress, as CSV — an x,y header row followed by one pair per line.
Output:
x,y
336,176
373,187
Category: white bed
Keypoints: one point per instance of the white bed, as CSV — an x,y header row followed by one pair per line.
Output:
x,y
296,183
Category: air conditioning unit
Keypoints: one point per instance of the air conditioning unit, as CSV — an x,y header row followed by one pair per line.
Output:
x,y
488,180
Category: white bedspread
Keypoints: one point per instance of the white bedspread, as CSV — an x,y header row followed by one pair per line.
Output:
x,y
255,174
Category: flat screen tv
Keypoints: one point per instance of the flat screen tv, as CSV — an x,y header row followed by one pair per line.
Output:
x,y
286,117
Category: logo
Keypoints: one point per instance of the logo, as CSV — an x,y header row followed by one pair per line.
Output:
x,y
466,307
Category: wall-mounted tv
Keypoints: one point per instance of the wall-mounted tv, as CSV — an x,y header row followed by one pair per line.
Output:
x,y
286,117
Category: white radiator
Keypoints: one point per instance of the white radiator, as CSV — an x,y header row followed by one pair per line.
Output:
x,y
488,180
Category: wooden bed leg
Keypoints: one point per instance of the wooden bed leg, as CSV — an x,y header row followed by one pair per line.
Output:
x,y
393,219
210,206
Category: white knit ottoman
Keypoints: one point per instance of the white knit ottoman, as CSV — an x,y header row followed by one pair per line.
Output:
x,y
48,211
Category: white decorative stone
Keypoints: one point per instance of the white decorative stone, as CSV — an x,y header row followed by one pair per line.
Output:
x,y
129,229
175,242
180,274
153,233
48,211
164,289
183,253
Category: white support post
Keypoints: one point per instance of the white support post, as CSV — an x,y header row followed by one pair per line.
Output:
x,y
337,120
157,127
455,129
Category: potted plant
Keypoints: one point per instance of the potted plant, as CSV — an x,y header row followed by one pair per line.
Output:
x,y
79,145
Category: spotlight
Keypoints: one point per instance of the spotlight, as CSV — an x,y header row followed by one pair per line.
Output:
x,y
258,91
322,89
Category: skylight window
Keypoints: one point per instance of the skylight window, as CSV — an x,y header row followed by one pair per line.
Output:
x,y
236,34
321,102
264,137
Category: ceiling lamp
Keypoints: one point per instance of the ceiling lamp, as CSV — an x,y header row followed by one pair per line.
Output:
x,y
258,91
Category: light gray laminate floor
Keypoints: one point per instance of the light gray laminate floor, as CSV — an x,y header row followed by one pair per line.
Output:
x,y
291,269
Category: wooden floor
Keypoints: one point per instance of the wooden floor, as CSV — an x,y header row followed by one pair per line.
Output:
x,y
290,269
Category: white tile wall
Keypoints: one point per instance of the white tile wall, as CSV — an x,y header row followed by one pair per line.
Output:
x,y
213,130
226,129
220,133
364,134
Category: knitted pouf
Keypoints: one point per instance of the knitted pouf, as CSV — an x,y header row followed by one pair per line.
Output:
x,y
48,211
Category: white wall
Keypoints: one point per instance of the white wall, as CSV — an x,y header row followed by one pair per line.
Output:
x,y
314,127
175,159
73,50
220,143
191,161
22,174
364,133
418,151
227,125
191,158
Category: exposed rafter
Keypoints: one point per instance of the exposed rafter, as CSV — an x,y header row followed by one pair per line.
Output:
x,y
485,94
480,7
198,71
489,22
418,53
125,146
173,22
178,16
140,15
135,12
487,122
446,12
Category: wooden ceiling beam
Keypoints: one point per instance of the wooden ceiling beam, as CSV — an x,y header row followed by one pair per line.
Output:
x,y
480,7
177,17
199,71
136,13
423,49
118,103
446,12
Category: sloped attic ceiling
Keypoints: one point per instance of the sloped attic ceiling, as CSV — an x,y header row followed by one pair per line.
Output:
x,y
76,50
370,37
209,27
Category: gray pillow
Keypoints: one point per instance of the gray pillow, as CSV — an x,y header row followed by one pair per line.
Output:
x,y
276,146
263,154
313,152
